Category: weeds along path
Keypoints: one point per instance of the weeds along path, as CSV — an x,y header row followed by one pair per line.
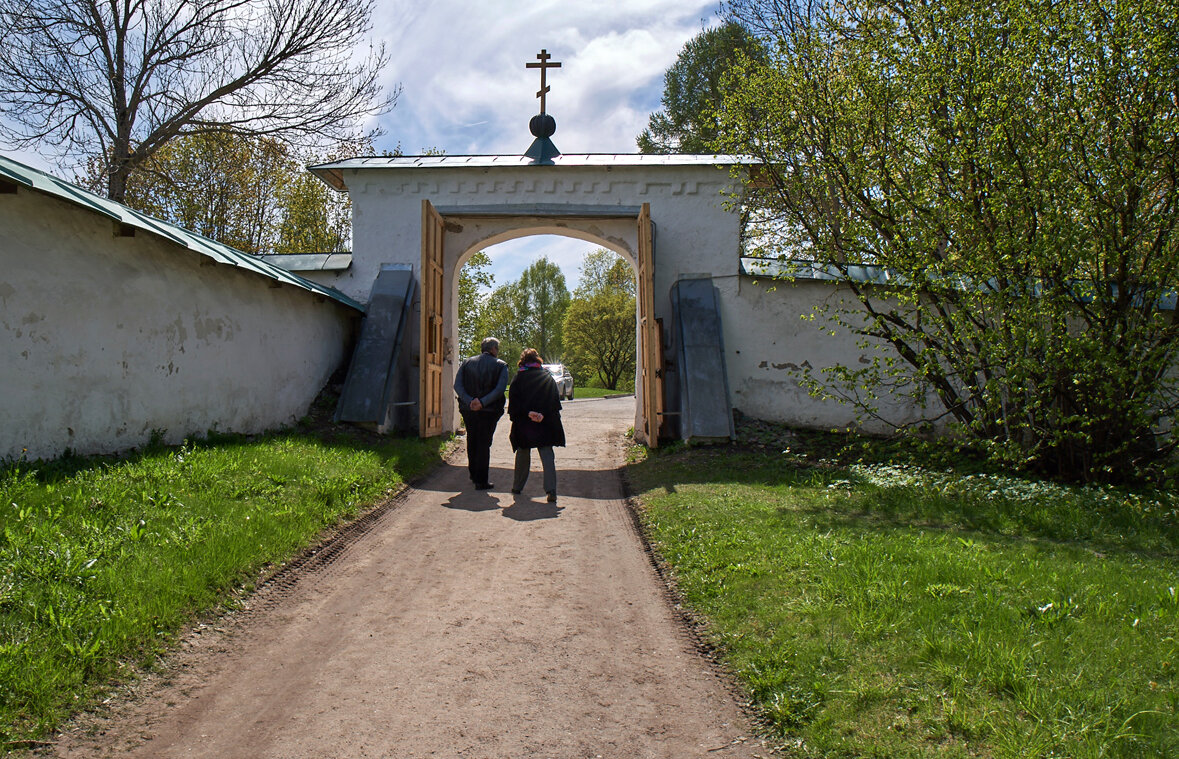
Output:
x,y
452,623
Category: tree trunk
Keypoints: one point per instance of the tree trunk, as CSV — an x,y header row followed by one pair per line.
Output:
x,y
120,170
116,184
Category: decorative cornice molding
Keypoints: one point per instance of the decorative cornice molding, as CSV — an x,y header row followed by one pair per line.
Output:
x,y
486,187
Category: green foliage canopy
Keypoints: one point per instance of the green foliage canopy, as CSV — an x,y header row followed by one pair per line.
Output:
x,y
250,193
689,121
604,271
474,278
542,298
1014,165
315,219
527,313
600,322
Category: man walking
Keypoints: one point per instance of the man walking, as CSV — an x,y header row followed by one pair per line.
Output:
x,y
480,383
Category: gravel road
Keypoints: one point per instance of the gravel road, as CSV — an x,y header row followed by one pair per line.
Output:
x,y
451,623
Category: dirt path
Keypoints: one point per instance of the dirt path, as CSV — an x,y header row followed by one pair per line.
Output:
x,y
459,624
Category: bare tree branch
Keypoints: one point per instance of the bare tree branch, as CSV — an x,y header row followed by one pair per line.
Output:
x,y
117,80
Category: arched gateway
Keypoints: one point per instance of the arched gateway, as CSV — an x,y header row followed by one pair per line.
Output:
x,y
420,218
672,217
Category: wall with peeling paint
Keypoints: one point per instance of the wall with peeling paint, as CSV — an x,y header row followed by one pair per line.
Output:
x,y
104,339
769,342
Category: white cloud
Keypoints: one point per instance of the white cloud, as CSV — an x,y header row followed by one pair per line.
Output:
x,y
466,88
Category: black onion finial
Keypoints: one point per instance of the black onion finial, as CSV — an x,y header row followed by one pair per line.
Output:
x,y
542,125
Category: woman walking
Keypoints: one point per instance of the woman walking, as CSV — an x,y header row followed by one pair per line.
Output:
x,y
534,406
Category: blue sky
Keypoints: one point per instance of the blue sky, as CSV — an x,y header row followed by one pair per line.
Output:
x,y
465,88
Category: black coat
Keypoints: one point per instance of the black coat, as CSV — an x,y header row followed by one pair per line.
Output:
x,y
478,376
535,390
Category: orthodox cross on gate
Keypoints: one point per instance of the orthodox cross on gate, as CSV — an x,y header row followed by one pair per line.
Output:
x,y
542,125
544,65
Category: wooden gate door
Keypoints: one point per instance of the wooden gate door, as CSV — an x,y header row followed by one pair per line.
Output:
x,y
650,360
430,365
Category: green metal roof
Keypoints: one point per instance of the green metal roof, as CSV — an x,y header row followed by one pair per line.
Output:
x,y
223,254
872,274
310,261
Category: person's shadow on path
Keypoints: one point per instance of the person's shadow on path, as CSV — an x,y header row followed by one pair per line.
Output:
x,y
478,500
524,509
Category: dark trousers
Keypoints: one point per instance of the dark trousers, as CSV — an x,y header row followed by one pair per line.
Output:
x,y
480,431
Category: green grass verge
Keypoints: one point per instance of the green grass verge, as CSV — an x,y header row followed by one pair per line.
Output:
x,y
877,610
598,392
103,560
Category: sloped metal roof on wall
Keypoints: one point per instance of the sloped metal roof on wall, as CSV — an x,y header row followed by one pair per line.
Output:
x,y
310,261
35,179
804,268
332,173
870,274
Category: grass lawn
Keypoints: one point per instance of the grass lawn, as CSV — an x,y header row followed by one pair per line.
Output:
x,y
892,609
598,392
103,560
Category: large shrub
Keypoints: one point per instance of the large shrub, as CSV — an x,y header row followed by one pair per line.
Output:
x,y
1012,166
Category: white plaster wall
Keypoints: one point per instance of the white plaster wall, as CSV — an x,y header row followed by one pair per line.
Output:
x,y
104,339
695,229
695,232
768,341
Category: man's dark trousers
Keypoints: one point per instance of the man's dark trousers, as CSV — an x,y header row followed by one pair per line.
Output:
x,y
480,431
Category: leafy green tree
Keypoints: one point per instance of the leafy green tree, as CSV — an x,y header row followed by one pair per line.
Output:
x,y
600,322
499,317
601,337
604,271
250,193
315,219
473,279
693,91
1013,167
218,184
543,299
528,313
